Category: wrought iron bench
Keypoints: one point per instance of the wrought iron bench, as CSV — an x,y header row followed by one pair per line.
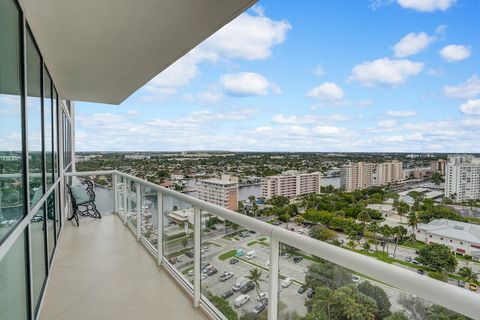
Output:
x,y
85,208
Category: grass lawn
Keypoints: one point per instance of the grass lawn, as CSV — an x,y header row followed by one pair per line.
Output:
x,y
417,245
227,255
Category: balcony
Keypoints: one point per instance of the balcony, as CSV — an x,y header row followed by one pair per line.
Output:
x,y
141,263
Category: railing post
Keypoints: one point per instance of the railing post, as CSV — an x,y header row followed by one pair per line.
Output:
x,y
273,280
115,192
125,201
139,210
159,228
197,225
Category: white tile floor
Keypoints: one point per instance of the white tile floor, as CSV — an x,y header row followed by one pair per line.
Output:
x,y
102,272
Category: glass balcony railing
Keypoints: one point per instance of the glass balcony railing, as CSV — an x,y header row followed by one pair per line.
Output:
x,y
237,267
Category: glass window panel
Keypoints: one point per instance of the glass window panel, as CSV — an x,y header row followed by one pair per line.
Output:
x,y
13,282
47,125
34,114
58,220
55,135
11,187
37,244
51,223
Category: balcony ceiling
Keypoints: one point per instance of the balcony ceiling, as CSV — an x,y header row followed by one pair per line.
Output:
x,y
103,51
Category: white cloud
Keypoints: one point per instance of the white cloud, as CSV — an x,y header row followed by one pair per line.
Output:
x,y
248,37
365,103
327,91
453,52
246,84
401,113
308,118
385,72
411,44
328,130
467,90
387,124
319,71
426,5
471,107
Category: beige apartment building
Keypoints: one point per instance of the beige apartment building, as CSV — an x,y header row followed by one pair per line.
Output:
x,y
356,175
438,166
389,172
222,192
291,184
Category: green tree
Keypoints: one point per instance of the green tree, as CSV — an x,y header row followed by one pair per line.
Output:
x,y
224,307
185,242
251,198
415,306
413,222
373,228
322,233
256,277
327,274
380,297
437,312
468,273
437,178
438,257
398,315
343,303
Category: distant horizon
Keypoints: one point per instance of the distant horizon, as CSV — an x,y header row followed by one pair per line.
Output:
x,y
285,152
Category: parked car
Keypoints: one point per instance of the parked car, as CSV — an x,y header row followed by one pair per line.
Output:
x,y
391,256
204,276
461,283
310,293
262,296
228,294
240,283
250,255
245,234
241,300
286,255
225,276
190,273
286,282
267,263
297,259
420,271
300,231
233,261
276,223
355,278
189,254
408,259
248,287
211,271
473,287
414,261
259,307
302,289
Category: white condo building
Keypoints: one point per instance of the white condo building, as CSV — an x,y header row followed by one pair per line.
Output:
x,y
462,178
222,192
389,172
291,184
356,175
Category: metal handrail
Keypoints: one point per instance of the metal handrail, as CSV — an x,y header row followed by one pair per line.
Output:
x,y
441,293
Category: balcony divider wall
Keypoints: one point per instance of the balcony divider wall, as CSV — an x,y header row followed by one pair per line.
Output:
x,y
35,152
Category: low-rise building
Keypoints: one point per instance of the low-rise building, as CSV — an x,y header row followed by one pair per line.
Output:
x,y
291,184
461,237
222,192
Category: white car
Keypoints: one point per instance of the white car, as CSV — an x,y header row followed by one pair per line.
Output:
x,y
262,296
286,282
267,263
286,255
355,278
190,273
300,231
241,300
204,276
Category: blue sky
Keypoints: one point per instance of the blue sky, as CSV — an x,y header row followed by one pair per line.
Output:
x,y
342,75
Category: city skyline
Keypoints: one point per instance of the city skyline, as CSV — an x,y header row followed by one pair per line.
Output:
x,y
283,78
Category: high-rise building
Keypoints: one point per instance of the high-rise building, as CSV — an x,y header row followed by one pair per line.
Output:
x,y
291,184
462,178
356,175
389,172
222,192
438,166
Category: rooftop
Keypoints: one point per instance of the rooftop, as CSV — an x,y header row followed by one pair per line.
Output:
x,y
453,229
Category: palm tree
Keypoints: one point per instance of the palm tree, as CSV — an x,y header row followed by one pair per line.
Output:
x,y
468,273
256,277
413,222
373,227
252,198
326,299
